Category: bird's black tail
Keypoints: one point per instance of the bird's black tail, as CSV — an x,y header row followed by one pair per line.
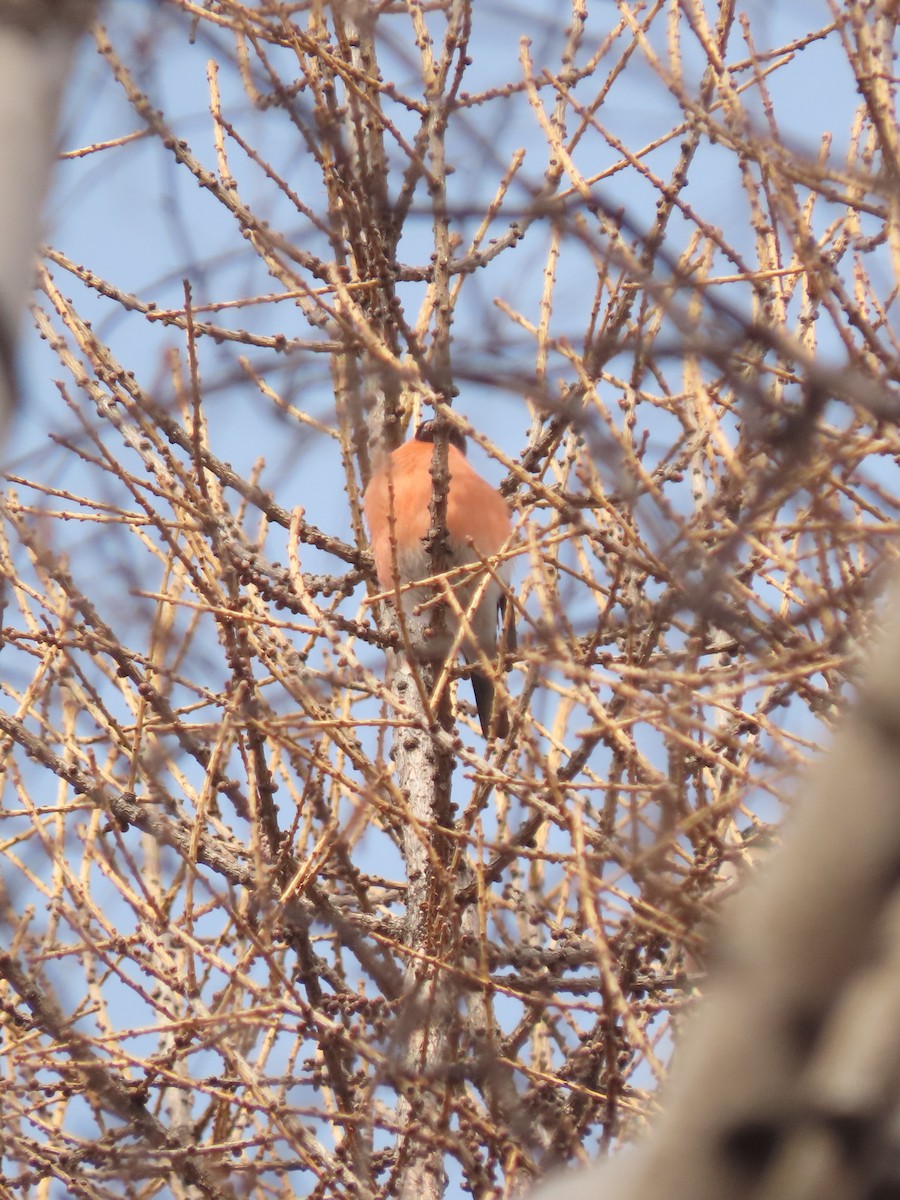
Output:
x,y
484,700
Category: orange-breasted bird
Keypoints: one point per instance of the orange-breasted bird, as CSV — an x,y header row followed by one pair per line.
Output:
x,y
478,523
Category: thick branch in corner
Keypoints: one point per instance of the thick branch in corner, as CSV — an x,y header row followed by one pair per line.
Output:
x,y
786,1084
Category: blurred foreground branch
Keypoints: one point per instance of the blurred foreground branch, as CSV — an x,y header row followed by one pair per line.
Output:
x,y
786,1084
37,43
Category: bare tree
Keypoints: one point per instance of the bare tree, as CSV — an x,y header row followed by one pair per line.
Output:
x,y
276,918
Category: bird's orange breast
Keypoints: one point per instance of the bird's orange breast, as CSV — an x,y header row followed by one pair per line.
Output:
x,y
402,490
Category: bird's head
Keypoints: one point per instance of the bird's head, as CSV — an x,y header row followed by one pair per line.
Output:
x,y
428,429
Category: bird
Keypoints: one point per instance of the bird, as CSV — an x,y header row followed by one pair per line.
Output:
x,y
396,505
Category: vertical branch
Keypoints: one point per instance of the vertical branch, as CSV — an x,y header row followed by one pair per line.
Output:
x,y
37,42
